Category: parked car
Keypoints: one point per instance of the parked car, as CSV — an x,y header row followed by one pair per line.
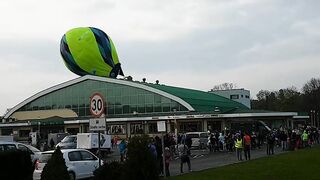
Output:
x,y
199,139
80,163
9,146
68,142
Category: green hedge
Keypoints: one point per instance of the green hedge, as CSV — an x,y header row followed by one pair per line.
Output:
x,y
15,165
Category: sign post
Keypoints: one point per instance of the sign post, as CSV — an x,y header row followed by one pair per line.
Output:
x,y
161,125
97,109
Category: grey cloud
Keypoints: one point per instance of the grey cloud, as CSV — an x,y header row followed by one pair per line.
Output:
x,y
32,54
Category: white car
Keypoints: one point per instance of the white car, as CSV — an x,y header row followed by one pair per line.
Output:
x,y
80,163
7,146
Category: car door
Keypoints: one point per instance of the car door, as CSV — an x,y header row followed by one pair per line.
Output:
x,y
90,163
26,149
75,164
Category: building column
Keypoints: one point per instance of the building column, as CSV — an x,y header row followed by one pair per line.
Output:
x,y
146,127
176,129
168,126
205,125
128,130
223,125
81,128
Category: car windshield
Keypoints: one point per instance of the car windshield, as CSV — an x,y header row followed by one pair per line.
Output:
x,y
193,135
69,139
45,157
204,135
33,149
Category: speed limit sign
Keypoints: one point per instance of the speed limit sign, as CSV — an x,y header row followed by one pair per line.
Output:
x,y
96,105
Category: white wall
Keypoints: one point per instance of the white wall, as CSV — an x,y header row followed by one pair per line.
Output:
x,y
240,95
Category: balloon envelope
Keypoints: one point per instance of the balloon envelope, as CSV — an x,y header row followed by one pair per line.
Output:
x,y
88,50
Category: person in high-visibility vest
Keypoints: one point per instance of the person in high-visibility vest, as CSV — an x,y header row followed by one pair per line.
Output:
x,y
239,146
305,138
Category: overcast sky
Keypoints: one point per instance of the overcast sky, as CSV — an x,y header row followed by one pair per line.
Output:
x,y
256,44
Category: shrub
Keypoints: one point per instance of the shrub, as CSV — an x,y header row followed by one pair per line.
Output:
x,y
16,165
55,168
140,164
113,171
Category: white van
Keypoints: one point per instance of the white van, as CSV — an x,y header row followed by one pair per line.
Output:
x,y
199,139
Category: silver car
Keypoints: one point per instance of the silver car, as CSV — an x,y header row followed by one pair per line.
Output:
x,y
199,139
68,142
80,163
34,152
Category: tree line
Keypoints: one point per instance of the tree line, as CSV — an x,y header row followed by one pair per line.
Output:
x,y
290,99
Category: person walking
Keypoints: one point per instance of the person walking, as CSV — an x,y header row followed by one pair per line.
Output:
x,y
167,157
253,140
247,146
222,146
305,138
122,149
51,143
239,146
270,143
283,138
184,157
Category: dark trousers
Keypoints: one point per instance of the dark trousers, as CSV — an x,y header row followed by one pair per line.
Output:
x,y
121,157
247,152
185,159
167,170
239,153
270,149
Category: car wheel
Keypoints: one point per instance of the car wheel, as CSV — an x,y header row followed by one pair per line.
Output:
x,y
72,176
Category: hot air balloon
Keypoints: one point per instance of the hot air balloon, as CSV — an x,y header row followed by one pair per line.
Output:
x,y
88,50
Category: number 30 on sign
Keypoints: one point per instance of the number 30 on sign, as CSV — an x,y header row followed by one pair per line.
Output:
x,y
96,104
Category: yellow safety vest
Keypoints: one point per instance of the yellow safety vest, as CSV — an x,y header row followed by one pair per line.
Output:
x,y
304,136
238,143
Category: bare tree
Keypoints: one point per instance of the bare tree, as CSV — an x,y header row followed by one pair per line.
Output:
x,y
311,92
224,86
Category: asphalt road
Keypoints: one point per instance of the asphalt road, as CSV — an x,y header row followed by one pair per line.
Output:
x,y
208,160
203,159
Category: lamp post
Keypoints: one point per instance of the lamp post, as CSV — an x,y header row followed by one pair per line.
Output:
x,y
39,123
312,117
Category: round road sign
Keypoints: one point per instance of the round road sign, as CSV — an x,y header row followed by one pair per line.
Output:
x,y
96,105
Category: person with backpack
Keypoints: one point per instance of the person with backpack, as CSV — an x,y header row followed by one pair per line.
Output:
x,y
247,146
184,156
122,150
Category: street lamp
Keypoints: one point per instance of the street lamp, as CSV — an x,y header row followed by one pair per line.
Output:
x,y
39,123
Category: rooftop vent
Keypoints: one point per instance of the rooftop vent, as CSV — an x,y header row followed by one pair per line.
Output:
x,y
129,78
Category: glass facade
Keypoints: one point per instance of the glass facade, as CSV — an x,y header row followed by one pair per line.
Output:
x,y
120,100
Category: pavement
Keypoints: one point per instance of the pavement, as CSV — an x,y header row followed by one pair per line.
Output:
x,y
203,159
216,159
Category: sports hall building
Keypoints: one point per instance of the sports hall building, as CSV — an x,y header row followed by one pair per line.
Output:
x,y
131,108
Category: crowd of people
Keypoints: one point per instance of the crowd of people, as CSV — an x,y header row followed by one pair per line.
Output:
x,y
241,142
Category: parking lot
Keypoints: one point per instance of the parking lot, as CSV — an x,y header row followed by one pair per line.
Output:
x,y
203,159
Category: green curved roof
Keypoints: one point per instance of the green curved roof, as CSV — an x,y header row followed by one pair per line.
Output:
x,y
202,101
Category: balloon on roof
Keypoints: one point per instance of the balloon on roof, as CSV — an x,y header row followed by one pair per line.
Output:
x,y
88,50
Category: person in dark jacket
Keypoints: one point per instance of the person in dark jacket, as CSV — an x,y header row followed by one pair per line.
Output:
x,y
270,143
